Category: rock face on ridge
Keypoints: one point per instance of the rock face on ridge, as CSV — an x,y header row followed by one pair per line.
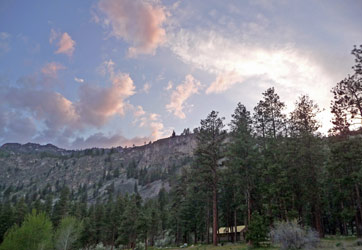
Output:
x,y
95,172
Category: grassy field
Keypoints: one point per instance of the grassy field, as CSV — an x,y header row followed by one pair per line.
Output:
x,y
346,243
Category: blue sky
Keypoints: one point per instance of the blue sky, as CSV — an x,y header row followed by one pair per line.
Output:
x,y
106,73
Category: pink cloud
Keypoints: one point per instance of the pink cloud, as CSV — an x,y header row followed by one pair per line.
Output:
x,y
223,82
51,69
182,92
66,45
51,107
53,36
137,22
97,105
150,121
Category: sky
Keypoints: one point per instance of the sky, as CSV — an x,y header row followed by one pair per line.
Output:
x,y
107,73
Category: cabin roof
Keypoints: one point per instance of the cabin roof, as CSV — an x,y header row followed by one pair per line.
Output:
x,y
226,230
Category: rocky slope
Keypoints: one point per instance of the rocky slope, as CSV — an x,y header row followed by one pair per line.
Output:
x,y
38,169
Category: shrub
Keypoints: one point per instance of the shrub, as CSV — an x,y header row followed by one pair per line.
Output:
x,y
167,240
292,236
36,232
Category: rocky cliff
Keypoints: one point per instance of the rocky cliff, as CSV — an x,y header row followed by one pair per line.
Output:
x,y
38,169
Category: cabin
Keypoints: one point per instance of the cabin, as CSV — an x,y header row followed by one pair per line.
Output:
x,y
228,233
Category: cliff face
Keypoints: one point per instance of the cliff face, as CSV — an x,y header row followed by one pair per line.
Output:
x,y
96,172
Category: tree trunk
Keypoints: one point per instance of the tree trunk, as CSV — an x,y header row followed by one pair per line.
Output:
x,y
358,212
358,225
318,221
208,221
235,227
214,212
344,224
249,205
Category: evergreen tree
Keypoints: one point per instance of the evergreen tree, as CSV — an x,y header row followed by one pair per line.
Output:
x,y
347,102
21,210
61,208
309,157
243,162
7,219
209,154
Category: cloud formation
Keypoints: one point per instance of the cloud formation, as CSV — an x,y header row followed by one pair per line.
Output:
x,y
59,118
14,127
4,42
66,45
96,104
52,108
179,96
80,80
151,121
102,140
146,87
223,82
291,70
137,22
51,69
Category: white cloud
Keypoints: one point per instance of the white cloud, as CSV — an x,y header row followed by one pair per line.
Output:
x,y
4,42
146,87
169,85
80,80
288,68
223,82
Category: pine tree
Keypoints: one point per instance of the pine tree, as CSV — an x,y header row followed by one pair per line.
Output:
x,y
21,210
243,161
209,154
61,208
310,156
347,101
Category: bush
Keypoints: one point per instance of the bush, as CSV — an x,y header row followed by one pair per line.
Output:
x,y
36,232
292,236
359,242
167,240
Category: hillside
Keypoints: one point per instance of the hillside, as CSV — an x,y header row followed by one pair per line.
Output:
x,y
95,172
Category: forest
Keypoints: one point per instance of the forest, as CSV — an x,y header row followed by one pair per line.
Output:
x,y
266,169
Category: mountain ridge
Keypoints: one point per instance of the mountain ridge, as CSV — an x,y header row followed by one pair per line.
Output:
x,y
94,171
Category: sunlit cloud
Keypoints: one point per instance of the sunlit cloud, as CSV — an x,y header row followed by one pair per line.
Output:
x,y
150,121
232,62
137,22
223,82
146,87
179,96
98,104
80,80
66,45
51,69
169,85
